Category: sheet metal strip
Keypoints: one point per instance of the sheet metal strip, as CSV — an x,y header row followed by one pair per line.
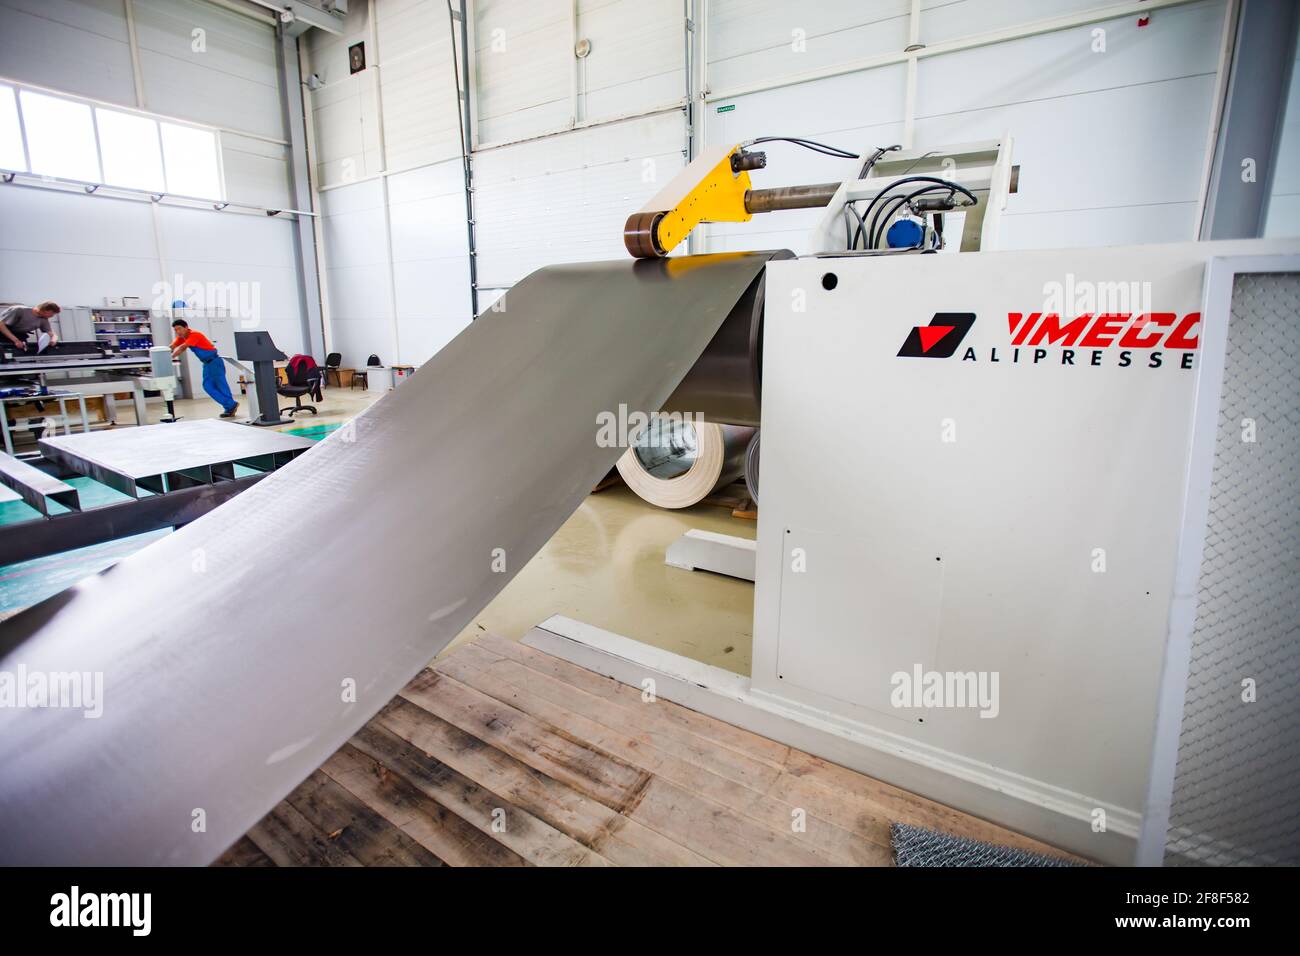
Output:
x,y
239,652
36,487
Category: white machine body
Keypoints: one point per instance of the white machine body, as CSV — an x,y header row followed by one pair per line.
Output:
x,y
981,501
162,376
1003,519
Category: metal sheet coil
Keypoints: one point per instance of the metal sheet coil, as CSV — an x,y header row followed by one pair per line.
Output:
x,y
726,384
681,465
751,465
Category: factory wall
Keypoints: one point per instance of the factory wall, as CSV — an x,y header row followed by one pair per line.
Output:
x,y
566,198
1110,130
77,248
389,171
1111,123
388,154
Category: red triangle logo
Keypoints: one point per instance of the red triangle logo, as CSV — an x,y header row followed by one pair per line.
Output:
x,y
931,334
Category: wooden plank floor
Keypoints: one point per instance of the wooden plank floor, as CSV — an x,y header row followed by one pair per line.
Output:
x,y
501,755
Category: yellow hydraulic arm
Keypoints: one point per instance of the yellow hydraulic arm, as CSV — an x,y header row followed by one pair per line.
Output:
x,y
711,188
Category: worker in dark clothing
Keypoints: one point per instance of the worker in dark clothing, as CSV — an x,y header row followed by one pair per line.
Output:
x,y
17,322
214,369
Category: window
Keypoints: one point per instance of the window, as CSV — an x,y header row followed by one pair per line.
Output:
x,y
60,137
12,155
190,155
49,134
128,147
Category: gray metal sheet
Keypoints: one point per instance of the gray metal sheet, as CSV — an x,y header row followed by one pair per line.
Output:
x,y
36,487
226,648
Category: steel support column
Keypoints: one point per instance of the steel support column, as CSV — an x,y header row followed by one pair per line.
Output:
x,y
304,233
1251,130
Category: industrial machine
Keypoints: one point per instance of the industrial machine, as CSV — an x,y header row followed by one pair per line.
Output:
x,y
900,201
59,356
90,368
161,379
257,347
989,482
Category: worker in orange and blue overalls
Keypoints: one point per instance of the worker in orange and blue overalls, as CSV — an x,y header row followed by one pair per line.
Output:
x,y
214,369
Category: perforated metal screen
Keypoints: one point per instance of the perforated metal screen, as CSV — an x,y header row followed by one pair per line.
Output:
x,y
1236,796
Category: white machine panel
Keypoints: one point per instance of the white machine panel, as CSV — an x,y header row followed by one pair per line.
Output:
x,y
1048,479
900,611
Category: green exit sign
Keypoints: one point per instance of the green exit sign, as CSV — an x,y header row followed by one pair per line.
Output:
x,y
727,109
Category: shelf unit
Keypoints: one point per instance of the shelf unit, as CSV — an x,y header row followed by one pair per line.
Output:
x,y
130,330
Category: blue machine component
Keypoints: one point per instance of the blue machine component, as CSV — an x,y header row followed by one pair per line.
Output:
x,y
904,234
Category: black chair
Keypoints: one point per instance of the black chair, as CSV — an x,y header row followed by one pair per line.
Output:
x,y
332,363
362,378
302,381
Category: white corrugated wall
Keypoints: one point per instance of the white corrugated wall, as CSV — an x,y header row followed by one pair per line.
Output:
x,y
77,248
387,157
1111,122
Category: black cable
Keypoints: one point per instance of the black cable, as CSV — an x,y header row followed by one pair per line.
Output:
x,y
876,232
848,226
911,179
886,212
872,235
875,158
813,145
810,144
877,198
918,159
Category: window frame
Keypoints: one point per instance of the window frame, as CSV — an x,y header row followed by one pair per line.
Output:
x,y
100,112
27,144
22,129
93,104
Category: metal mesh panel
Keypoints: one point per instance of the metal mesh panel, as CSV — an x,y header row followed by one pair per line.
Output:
x,y
1236,796
917,846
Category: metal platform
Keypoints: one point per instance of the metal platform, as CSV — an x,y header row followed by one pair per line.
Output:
x,y
31,367
170,457
36,487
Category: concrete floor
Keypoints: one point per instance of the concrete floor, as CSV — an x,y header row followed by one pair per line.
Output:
x,y
340,405
605,566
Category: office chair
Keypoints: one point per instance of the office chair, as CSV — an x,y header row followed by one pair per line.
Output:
x,y
304,379
362,377
332,363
